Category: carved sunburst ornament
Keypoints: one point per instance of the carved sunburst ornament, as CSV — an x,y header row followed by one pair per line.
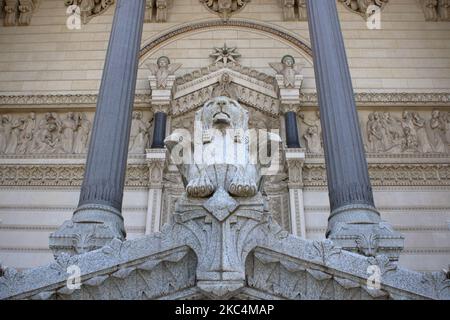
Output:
x,y
225,8
225,54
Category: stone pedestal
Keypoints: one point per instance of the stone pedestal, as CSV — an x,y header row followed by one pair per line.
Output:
x,y
295,158
354,222
156,159
98,218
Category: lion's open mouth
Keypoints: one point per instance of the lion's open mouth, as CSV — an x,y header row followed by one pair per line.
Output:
x,y
221,118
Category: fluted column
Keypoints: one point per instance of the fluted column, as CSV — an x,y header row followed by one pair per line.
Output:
x,y
98,215
354,222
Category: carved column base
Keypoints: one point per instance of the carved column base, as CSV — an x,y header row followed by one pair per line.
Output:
x,y
368,235
91,227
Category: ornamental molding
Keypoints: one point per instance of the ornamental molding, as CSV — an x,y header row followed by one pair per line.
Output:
x,y
363,99
243,84
314,175
240,24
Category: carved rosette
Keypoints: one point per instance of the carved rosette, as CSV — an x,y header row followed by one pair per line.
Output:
x,y
224,8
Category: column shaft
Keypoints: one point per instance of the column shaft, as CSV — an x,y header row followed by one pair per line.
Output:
x,y
159,131
102,190
292,139
350,190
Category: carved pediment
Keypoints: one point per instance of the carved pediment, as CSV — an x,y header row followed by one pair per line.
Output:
x,y
246,85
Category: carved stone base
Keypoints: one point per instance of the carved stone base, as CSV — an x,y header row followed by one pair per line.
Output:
x,y
91,228
223,240
368,239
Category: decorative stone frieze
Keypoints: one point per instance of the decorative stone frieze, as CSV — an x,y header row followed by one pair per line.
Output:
x,y
363,8
294,10
157,10
61,133
18,12
90,9
224,8
363,99
436,10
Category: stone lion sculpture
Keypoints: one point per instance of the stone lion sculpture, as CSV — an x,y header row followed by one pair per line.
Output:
x,y
222,154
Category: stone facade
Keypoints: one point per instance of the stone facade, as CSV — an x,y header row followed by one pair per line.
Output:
x,y
49,82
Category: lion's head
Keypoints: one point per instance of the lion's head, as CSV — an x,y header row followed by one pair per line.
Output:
x,y
223,113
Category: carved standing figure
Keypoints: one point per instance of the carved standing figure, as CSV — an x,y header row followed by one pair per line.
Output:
x,y
313,141
82,135
161,10
430,9
139,134
4,134
13,128
288,10
69,127
162,70
421,133
314,145
26,8
410,141
10,9
27,134
438,127
302,10
48,138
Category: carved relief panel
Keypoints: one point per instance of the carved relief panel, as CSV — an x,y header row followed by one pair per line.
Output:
x,y
62,133
393,131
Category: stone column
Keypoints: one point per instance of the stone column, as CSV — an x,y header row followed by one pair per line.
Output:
x,y
354,222
156,159
98,218
292,138
159,129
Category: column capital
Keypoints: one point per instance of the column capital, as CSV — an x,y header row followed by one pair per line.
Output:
x,y
291,107
162,107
